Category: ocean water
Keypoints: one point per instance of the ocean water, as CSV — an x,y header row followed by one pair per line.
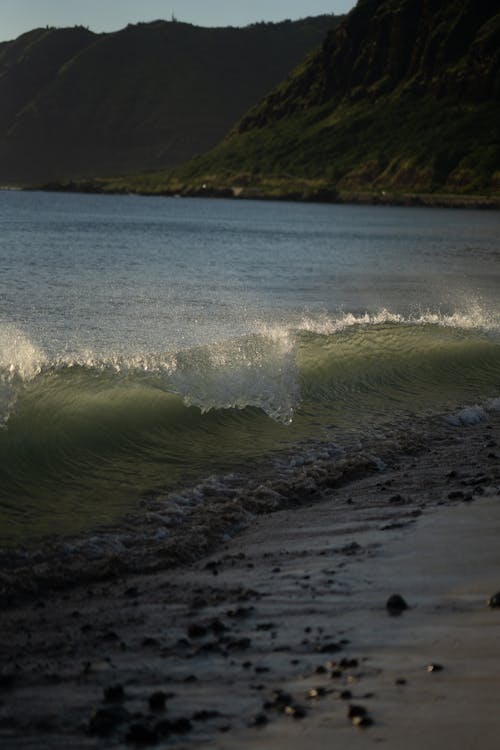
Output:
x,y
148,343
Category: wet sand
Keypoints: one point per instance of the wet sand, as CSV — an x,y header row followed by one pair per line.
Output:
x,y
224,653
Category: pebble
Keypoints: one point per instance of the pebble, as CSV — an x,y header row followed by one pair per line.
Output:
x,y
105,720
435,667
205,715
296,712
362,721
353,711
114,694
259,720
397,499
157,700
328,648
316,692
494,601
140,734
196,630
396,604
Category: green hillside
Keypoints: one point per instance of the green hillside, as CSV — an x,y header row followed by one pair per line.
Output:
x,y
74,103
404,95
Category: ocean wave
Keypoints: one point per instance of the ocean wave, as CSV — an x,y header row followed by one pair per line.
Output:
x,y
82,425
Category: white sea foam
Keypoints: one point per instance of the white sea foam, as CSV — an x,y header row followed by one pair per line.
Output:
x,y
20,362
473,317
470,415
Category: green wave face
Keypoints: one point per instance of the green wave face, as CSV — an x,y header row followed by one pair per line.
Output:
x,y
82,439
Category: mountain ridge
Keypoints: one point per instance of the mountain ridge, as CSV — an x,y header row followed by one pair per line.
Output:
x,y
151,95
403,95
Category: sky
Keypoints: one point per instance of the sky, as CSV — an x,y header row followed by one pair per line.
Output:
x,y
18,16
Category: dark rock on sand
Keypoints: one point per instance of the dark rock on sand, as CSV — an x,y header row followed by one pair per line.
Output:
x,y
105,720
114,694
320,670
353,711
295,711
217,626
239,644
494,601
318,692
196,630
205,715
259,720
182,725
362,721
397,500
157,700
396,604
328,648
7,680
435,667
279,700
240,612
348,663
131,592
141,734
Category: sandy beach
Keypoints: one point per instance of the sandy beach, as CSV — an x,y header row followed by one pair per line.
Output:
x,y
273,639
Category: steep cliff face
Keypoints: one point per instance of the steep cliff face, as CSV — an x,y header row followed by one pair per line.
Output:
x,y
447,49
403,94
74,103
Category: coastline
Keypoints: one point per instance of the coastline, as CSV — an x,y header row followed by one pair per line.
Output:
x,y
267,611
301,194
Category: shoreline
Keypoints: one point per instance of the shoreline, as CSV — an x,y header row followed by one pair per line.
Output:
x,y
317,195
269,609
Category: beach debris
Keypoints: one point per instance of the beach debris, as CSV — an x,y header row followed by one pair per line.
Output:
x,y
395,604
494,601
435,667
400,681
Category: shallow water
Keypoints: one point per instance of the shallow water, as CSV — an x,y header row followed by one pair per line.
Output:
x,y
147,342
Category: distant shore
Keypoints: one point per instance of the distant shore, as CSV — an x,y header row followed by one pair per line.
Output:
x,y
281,633
277,193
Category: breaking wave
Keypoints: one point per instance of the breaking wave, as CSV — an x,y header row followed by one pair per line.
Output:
x,y
116,426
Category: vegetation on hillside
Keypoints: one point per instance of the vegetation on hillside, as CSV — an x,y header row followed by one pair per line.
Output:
x,y
404,95
152,95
